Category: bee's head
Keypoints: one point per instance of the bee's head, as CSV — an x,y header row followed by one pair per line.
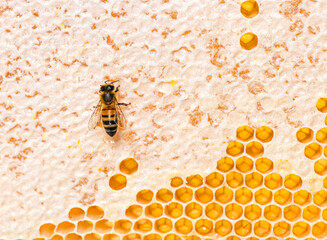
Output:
x,y
107,88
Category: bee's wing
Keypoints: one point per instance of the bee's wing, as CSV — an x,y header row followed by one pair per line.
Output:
x,y
96,117
121,120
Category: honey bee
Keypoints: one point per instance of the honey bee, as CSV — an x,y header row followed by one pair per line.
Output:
x,y
108,110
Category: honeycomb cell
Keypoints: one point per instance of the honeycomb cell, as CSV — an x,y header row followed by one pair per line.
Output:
x,y
203,226
76,214
264,134
292,182
128,166
65,227
244,164
233,211
194,180
254,149
176,182
213,211
282,229
262,228
304,135
95,212
264,165
144,196
84,226
103,226
248,41
214,179
154,210
319,230
204,195
92,236
223,227
321,135
273,181
244,133
184,194
56,237
163,225
224,195
183,226
111,236
47,229
320,198
193,210
249,9
292,213
225,164
322,105
172,237
272,212
313,151
301,229
311,213
252,212
302,197
243,195
192,237
174,210
235,149
243,228
118,181
152,236
123,226
143,225
253,180
263,196
283,197
134,211
164,195
321,167
234,179
73,236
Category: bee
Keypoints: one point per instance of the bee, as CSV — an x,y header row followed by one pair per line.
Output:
x,y
108,110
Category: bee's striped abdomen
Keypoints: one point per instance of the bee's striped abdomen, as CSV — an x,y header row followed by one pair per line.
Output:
x,y
109,120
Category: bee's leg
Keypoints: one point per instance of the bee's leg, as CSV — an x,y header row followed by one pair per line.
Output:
x,y
117,88
124,104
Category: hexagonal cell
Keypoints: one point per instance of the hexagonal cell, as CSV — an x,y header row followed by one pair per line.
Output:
x,y
248,41
194,180
321,167
292,181
292,213
319,230
313,151
322,105
152,236
203,226
47,229
272,212
103,226
243,228
154,210
76,214
244,164
233,211
301,229
234,179
282,229
253,180
73,236
321,135
320,198
263,196
262,228
164,195
143,225
225,164
84,226
183,226
244,133
224,195
254,149
243,195
163,225
283,197
174,209
311,213
176,182
111,236
193,210
273,181
204,195
249,9
118,181
302,197
184,194
235,149
128,166
223,227
144,196
172,237
134,211
252,212
304,135
92,236
95,212
264,134
213,211
214,179
123,226
65,227
264,165
56,237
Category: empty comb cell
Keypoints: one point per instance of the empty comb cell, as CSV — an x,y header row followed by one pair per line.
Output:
x,y
118,181
176,182
203,226
244,133
174,210
249,9
225,164
128,166
254,149
304,135
214,179
183,226
235,149
252,212
144,196
154,210
164,195
301,229
223,228
264,165
244,164
194,180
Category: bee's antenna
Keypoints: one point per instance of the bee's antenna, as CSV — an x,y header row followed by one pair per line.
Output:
x,y
108,81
